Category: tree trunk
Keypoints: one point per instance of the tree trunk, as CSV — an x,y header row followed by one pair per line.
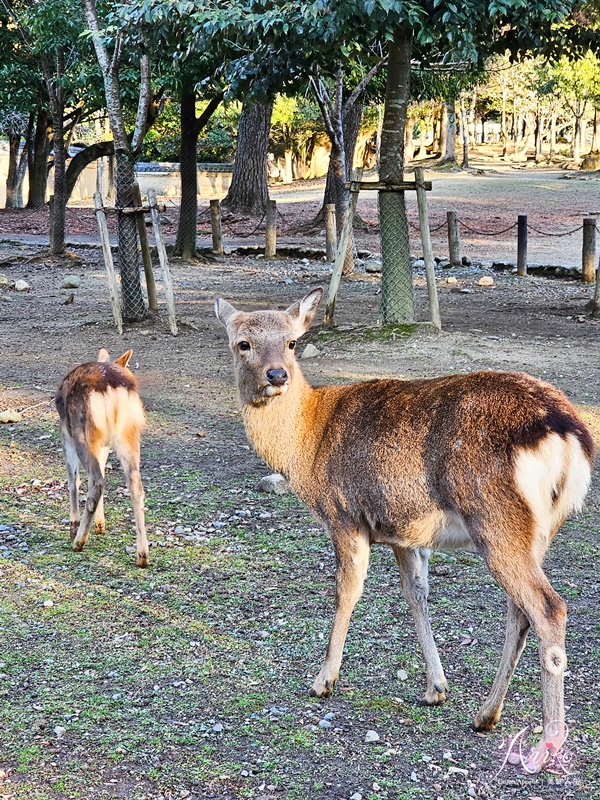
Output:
x,y
249,189
12,178
397,300
464,129
53,75
449,152
595,148
443,117
553,135
576,144
38,168
539,133
409,148
503,131
185,245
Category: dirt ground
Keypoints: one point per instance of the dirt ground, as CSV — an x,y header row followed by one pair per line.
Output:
x,y
196,462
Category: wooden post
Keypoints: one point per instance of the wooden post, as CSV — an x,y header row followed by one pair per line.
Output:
x,y
340,257
215,223
454,249
108,261
271,223
162,257
596,301
522,245
145,248
434,305
330,232
588,253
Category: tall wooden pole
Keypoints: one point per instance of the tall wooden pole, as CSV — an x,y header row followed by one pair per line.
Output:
x,y
145,248
434,305
108,261
164,262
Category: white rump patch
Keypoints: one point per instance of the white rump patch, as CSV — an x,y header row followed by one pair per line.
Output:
x,y
115,411
553,479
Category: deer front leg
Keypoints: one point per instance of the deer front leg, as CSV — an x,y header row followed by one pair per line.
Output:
x,y
413,566
352,551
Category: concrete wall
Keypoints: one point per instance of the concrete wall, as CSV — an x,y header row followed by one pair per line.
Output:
x,y
213,181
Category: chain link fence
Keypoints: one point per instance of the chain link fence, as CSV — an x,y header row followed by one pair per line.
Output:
x,y
397,295
132,299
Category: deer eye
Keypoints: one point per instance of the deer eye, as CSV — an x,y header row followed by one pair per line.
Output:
x,y
292,344
244,345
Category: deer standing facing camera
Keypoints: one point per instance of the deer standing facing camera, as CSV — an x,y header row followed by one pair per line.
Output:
x,y
100,409
490,461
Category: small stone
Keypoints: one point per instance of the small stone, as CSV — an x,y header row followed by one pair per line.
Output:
x,y
466,261
179,530
487,280
22,286
4,280
71,282
356,796
451,280
372,736
419,263
373,266
274,484
472,792
310,351
324,723
48,603
414,776
329,716
402,675
10,415
218,728
59,731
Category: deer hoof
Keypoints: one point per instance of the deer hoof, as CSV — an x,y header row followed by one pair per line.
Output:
x,y
485,722
142,560
321,688
100,527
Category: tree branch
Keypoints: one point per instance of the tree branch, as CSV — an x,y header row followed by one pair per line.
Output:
x,y
142,113
208,112
362,85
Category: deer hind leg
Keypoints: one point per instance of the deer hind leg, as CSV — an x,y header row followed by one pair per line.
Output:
x,y
99,520
73,480
352,551
413,566
95,491
128,450
527,586
517,626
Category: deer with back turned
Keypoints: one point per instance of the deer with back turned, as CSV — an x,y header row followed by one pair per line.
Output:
x,y
489,461
100,409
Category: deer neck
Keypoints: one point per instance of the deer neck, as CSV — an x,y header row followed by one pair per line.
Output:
x,y
277,428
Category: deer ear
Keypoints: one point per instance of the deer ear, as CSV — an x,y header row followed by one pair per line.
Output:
x,y
103,355
224,311
303,311
123,360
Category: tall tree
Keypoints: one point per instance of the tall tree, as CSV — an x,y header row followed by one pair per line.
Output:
x,y
249,190
127,147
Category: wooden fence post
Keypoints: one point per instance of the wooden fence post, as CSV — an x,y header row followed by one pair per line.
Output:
x,y
330,232
596,301
145,248
271,223
340,256
108,261
162,257
522,245
454,248
434,305
588,253
215,223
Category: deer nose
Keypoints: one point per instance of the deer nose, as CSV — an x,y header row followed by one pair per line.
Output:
x,y
277,377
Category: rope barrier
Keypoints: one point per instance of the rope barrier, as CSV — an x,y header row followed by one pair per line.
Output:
x,y
546,233
486,233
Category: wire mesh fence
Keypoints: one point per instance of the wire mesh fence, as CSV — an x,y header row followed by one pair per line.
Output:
x,y
397,294
132,299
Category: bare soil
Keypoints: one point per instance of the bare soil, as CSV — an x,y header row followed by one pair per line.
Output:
x,y
253,598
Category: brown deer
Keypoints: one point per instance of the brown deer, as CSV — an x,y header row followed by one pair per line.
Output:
x,y
491,461
100,409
